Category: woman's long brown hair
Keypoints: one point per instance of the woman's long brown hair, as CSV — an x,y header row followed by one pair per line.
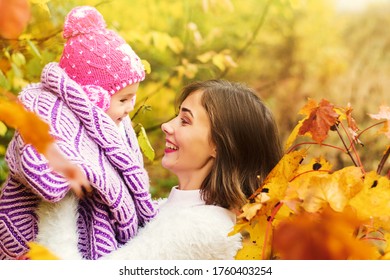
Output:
x,y
246,138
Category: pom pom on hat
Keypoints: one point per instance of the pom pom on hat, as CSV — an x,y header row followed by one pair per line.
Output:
x,y
83,20
96,56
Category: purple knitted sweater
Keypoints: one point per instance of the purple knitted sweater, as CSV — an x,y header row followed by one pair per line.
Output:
x,y
109,156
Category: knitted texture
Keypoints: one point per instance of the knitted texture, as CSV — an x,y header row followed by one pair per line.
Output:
x,y
98,57
110,158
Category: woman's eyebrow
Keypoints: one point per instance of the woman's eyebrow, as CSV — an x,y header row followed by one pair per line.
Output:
x,y
184,109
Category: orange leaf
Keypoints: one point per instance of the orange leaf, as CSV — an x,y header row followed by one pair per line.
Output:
x,y
14,17
350,120
321,118
33,130
328,235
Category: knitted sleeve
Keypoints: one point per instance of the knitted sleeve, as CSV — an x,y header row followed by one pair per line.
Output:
x,y
35,171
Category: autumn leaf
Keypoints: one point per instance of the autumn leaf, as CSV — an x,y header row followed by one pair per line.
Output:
x,y
253,245
386,251
317,189
325,235
294,134
350,120
315,164
14,18
302,177
321,118
146,64
144,142
374,199
3,129
33,130
39,252
384,113
250,209
306,110
277,180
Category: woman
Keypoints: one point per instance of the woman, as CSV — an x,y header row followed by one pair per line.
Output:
x,y
221,145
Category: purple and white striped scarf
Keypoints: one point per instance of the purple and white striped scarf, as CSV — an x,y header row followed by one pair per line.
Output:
x,y
109,156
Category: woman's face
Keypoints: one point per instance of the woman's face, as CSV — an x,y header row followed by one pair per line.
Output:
x,y
188,149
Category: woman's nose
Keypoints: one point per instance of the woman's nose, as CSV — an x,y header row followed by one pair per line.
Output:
x,y
166,128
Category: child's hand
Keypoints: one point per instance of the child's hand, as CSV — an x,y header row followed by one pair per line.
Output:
x,y
78,182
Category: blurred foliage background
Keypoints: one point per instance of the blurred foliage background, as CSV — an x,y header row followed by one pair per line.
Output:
x,y
287,50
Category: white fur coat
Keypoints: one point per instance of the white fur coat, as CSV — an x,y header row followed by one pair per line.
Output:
x,y
184,229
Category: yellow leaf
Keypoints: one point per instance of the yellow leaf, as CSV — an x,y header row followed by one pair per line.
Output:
x,y
253,246
277,181
3,129
294,134
374,199
250,209
283,213
147,67
39,252
18,58
144,144
316,189
42,4
317,163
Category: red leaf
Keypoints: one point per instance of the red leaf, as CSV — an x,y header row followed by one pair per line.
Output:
x,y
321,118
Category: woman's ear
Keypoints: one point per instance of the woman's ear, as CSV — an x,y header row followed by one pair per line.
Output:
x,y
214,151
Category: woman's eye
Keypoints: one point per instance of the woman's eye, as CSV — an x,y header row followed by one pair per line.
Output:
x,y
123,100
184,121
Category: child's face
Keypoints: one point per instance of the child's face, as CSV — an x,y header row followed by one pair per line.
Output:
x,y
122,103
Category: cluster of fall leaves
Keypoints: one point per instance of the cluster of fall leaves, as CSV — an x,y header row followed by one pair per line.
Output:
x,y
310,211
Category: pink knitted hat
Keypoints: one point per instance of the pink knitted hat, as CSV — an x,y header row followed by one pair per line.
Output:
x,y
97,58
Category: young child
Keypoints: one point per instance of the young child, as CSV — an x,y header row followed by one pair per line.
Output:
x,y
86,99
